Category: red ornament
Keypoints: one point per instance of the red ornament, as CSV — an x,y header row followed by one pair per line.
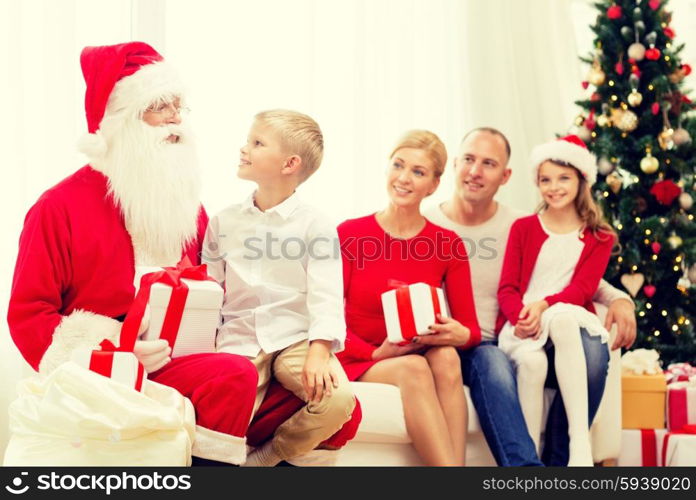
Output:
x,y
652,54
669,32
649,290
619,68
614,12
686,69
654,4
665,192
655,108
656,247
635,70
590,122
585,84
595,97
686,99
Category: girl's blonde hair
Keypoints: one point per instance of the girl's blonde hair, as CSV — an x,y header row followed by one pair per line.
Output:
x,y
428,142
587,208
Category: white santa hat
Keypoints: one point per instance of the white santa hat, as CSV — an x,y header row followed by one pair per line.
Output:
x,y
569,149
125,77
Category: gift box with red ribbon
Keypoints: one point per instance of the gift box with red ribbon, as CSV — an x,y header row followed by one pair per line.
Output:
x,y
119,366
185,307
679,447
409,311
681,405
641,447
117,363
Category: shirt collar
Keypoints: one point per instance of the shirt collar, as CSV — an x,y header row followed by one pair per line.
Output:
x,y
284,209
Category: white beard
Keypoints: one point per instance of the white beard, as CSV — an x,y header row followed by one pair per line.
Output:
x,y
155,183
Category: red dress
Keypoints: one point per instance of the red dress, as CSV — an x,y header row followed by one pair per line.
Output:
x,y
375,262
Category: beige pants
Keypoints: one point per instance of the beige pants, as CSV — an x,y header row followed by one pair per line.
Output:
x,y
314,422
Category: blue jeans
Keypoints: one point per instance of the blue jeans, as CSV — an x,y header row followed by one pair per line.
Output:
x,y
493,388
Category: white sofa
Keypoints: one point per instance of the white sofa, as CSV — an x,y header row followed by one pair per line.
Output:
x,y
382,439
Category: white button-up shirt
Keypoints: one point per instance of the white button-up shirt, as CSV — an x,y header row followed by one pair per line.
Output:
x,y
282,274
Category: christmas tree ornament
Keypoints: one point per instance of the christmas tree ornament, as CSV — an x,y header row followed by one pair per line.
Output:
x,y
686,201
596,76
665,192
649,163
686,69
627,33
624,120
669,32
632,283
654,4
585,84
649,291
604,166
590,122
619,68
614,182
683,285
639,27
681,136
656,247
603,121
655,108
635,98
677,75
666,138
614,12
674,241
595,97
652,54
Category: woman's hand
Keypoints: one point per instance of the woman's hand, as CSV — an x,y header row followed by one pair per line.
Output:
x,y
448,331
390,350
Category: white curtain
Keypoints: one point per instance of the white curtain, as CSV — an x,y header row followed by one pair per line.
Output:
x,y
367,70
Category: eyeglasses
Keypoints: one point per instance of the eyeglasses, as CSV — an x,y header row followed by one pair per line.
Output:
x,y
168,110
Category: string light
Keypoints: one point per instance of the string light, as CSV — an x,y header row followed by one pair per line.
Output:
x,y
634,268
657,333
614,98
605,194
648,232
687,322
662,220
666,58
675,328
641,314
648,305
637,220
619,227
593,134
611,83
678,259
691,217
651,87
668,45
620,259
676,268
664,313
654,257
681,320
646,241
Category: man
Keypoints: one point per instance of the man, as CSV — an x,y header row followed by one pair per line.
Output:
x,y
481,167
136,203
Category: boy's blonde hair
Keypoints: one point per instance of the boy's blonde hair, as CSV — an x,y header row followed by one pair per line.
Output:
x,y
428,142
299,134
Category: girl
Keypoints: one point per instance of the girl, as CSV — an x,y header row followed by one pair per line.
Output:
x,y
398,246
553,264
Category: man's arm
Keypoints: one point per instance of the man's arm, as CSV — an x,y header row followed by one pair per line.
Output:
x,y
621,310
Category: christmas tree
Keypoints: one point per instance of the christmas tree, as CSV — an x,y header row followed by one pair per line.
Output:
x,y
638,121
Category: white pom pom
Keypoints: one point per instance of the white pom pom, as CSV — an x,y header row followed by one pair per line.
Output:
x,y
92,145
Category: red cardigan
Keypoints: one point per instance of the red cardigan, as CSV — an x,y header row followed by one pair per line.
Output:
x,y
523,247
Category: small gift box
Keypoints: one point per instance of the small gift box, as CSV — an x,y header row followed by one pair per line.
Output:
x,y
185,308
681,405
643,401
679,448
409,311
641,447
643,389
119,366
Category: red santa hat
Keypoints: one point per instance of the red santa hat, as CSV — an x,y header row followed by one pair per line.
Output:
x,y
569,149
124,77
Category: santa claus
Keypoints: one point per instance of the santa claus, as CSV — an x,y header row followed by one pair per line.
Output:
x,y
136,203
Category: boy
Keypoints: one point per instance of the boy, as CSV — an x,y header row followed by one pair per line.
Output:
x,y
283,305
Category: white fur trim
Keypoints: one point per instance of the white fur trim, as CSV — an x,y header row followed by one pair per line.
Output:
x,y
92,145
78,329
568,152
215,445
315,458
149,83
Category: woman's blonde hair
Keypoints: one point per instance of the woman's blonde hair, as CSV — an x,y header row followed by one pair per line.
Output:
x,y
428,142
588,210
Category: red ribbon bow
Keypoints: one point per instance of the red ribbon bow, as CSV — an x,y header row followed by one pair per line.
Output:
x,y
405,311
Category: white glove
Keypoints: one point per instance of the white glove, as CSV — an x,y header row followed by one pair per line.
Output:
x,y
152,354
